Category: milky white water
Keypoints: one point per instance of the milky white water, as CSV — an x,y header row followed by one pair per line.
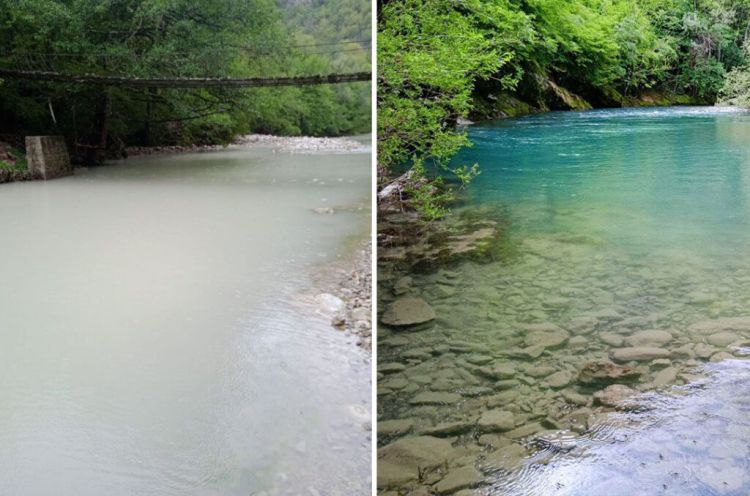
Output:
x,y
157,334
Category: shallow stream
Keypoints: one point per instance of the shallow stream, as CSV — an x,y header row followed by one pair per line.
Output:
x,y
624,269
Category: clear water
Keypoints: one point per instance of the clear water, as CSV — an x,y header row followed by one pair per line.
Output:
x,y
159,333
618,222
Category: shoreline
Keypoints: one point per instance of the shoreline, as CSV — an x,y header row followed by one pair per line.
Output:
x,y
293,144
344,288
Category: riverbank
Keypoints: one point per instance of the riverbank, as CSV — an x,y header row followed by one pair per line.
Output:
x,y
294,144
347,296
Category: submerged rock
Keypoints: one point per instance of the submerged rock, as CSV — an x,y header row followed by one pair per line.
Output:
x,y
602,371
614,395
407,311
722,324
638,353
496,420
457,479
396,427
649,338
407,459
560,379
432,398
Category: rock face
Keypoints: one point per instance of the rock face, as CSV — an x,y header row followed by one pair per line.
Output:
x,y
402,461
47,157
407,311
638,353
604,372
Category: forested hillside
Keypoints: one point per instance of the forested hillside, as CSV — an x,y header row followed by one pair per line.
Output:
x,y
440,61
178,38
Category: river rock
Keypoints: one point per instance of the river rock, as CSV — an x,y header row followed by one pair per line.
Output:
x,y
703,350
505,457
611,339
652,337
496,420
434,398
405,460
396,427
602,371
614,395
391,367
740,324
449,428
546,339
457,479
638,353
665,376
525,430
724,338
500,371
407,311
559,379
582,325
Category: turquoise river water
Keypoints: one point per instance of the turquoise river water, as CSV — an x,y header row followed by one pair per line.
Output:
x,y
601,351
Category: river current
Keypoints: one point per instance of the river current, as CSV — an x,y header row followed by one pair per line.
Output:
x,y
159,333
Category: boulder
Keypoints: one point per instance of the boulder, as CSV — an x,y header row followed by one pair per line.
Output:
x,y
407,311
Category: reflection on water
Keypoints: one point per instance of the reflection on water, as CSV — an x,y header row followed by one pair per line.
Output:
x,y
624,263
153,339
691,440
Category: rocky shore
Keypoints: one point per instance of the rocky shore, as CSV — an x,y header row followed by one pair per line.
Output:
x,y
348,296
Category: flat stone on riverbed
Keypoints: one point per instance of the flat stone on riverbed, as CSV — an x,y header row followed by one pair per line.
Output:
x,y
496,420
560,379
407,311
408,458
546,339
433,398
614,395
457,479
638,353
648,338
724,338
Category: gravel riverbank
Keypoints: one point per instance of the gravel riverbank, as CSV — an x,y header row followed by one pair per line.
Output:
x,y
294,144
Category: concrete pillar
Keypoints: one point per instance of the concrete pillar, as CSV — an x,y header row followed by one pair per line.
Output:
x,y
47,157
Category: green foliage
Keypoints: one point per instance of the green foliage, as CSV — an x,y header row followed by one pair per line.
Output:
x,y
177,38
439,59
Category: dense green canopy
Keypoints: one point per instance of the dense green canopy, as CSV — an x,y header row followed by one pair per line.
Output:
x,y
179,38
442,60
